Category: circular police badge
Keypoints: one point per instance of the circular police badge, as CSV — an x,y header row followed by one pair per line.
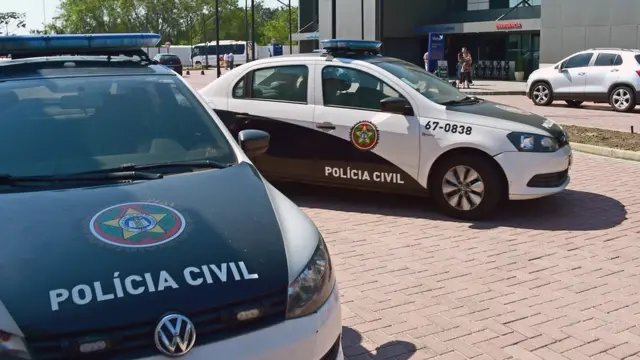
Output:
x,y
513,110
137,225
364,135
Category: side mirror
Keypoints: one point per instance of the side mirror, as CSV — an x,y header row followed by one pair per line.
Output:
x,y
396,105
254,142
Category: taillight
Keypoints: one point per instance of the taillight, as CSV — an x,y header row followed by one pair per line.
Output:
x,y
160,62
638,72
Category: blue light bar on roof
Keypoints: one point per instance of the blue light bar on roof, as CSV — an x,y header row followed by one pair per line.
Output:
x,y
346,45
46,43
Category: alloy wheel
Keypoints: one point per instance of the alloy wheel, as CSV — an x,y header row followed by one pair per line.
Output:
x,y
621,98
540,94
463,188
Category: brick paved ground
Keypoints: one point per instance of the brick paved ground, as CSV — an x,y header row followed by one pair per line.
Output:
x,y
591,114
556,278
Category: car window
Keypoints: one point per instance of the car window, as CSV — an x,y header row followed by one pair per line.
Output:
x,y
238,89
608,59
282,83
428,85
67,125
576,61
638,59
342,86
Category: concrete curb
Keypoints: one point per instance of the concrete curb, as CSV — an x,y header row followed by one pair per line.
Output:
x,y
489,93
608,152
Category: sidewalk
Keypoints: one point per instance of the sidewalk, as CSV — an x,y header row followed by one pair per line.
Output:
x,y
495,87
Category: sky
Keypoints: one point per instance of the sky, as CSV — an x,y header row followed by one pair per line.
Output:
x,y
42,11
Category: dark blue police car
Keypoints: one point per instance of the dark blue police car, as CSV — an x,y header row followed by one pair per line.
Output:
x,y
135,227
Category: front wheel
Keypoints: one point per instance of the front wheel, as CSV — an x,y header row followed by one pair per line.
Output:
x,y
541,95
622,99
574,103
467,186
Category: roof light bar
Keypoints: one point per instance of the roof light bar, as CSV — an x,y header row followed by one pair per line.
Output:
x,y
342,45
65,43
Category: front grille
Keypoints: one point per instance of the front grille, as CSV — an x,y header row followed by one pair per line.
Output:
x,y
548,180
332,354
137,340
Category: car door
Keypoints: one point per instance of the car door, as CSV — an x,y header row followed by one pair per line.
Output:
x,y
275,99
601,75
571,79
364,147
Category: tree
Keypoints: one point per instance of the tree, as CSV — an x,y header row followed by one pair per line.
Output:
x,y
181,22
11,21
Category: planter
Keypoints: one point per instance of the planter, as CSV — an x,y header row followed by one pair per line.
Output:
x,y
519,75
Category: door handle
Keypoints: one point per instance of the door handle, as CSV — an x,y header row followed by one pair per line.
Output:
x,y
581,73
615,70
326,126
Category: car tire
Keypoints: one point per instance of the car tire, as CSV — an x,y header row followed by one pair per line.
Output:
x,y
574,103
482,192
622,99
541,94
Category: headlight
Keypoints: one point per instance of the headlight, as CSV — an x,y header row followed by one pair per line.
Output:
x,y
12,347
311,289
533,142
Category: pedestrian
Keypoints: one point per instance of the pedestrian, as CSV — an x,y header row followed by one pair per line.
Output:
x,y
459,69
426,61
225,58
231,58
467,66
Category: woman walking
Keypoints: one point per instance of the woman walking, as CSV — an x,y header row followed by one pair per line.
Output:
x,y
467,67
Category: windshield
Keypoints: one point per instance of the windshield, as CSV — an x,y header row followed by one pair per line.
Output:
x,y
59,126
428,85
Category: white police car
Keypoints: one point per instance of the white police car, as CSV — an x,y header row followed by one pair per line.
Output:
x,y
349,117
135,227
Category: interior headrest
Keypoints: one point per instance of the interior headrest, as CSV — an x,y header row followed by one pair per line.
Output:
x,y
82,101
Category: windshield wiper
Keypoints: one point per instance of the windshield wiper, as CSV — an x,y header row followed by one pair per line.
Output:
x,y
192,164
6,179
465,100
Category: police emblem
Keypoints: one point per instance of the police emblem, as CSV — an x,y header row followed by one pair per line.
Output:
x,y
365,135
137,225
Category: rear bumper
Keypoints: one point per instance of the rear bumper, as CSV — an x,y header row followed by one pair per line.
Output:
x,y
313,337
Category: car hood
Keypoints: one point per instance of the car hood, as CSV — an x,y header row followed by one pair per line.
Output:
x,y
512,114
111,256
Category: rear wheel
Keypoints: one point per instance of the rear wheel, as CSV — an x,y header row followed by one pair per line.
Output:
x,y
574,103
541,95
467,186
622,99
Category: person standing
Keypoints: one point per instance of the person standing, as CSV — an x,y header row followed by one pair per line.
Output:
x,y
459,69
226,61
467,67
426,61
231,58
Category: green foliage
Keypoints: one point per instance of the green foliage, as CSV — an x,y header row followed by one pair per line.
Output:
x,y
11,21
181,22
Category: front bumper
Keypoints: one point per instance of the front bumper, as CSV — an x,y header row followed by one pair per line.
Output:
x,y
535,175
311,337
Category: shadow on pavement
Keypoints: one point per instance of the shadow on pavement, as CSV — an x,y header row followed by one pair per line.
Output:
x,y
592,106
570,210
353,349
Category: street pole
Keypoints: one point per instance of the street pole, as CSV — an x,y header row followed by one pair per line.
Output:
x,y
218,37
253,30
381,23
290,30
246,24
44,17
362,18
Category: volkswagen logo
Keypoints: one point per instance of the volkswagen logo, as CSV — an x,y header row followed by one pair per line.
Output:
x,y
175,335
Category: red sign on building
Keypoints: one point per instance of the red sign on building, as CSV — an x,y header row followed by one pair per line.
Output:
x,y
507,26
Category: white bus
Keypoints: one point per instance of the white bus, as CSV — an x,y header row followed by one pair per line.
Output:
x,y
208,50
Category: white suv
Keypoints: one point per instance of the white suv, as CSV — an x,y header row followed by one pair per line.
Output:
x,y
602,75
